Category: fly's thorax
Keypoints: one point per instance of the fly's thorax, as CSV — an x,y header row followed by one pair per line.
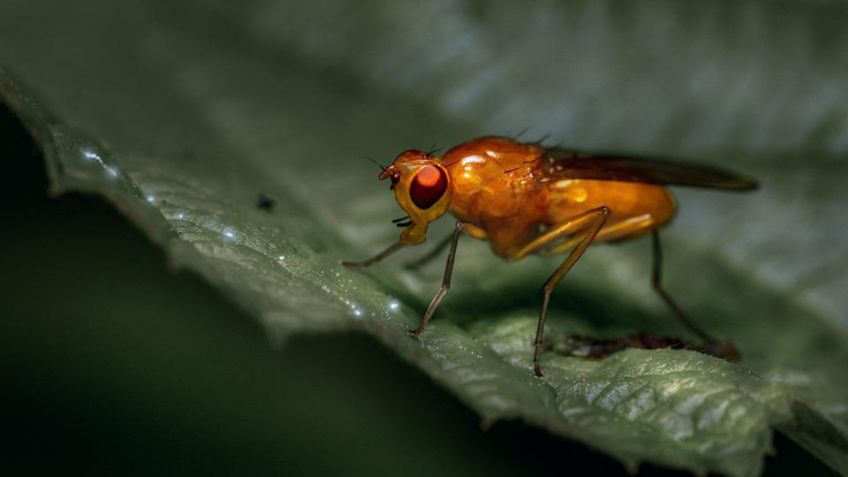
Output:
x,y
422,187
483,191
490,177
506,153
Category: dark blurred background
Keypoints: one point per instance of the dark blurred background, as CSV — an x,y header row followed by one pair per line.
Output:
x,y
181,382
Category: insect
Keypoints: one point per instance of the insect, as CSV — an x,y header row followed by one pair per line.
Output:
x,y
527,199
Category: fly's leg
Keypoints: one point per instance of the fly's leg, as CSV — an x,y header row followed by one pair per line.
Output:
x,y
376,258
656,282
425,259
549,241
723,350
597,221
590,223
446,282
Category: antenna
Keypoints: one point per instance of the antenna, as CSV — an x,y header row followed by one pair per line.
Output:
x,y
378,164
433,149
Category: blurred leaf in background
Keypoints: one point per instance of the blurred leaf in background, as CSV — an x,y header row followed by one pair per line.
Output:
x,y
182,115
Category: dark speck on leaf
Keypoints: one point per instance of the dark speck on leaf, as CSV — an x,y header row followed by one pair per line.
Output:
x,y
595,348
263,202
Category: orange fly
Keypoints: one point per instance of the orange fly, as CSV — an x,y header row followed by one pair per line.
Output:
x,y
528,199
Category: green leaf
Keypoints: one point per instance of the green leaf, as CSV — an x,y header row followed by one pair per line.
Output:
x,y
183,115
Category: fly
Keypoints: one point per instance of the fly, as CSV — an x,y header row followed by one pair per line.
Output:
x,y
526,199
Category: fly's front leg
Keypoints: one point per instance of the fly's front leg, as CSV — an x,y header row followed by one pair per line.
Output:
x,y
424,260
446,282
469,229
590,223
376,258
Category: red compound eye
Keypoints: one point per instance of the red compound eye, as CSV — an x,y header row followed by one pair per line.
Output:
x,y
428,186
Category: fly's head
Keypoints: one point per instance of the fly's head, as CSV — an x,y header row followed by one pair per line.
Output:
x,y
422,189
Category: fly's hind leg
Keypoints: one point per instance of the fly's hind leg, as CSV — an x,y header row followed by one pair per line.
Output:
x,y
589,223
723,349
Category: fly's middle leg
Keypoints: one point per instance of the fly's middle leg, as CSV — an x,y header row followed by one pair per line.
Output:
x,y
588,224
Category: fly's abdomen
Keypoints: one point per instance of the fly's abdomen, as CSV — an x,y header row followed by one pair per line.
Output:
x,y
635,207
